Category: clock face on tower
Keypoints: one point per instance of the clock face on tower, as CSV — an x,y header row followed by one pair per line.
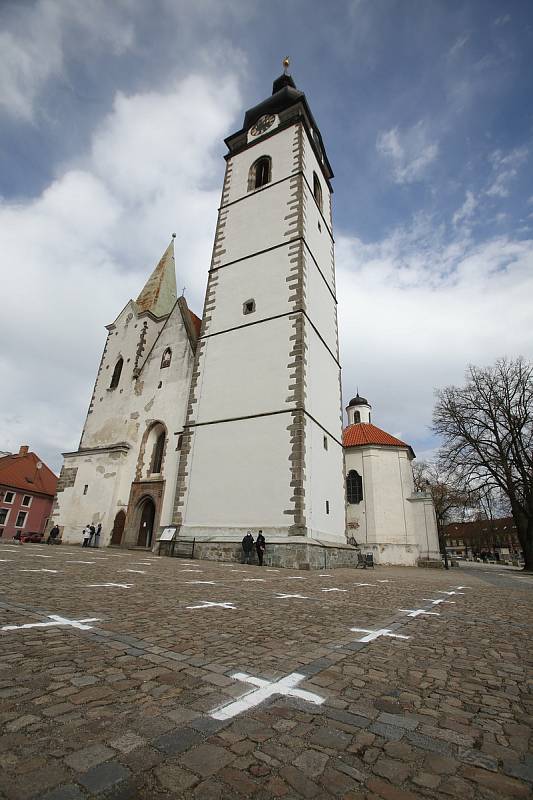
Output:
x,y
262,125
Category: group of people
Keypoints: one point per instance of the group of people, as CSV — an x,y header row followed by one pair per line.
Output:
x,y
91,535
248,546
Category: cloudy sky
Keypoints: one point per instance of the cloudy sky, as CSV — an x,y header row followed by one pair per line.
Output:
x,y
112,119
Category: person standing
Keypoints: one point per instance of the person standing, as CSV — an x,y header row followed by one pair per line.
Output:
x,y
247,547
97,535
52,536
260,546
86,535
92,531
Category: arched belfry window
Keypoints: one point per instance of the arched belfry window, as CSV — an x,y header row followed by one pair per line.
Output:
x,y
260,173
166,358
116,374
317,190
157,458
357,416
354,487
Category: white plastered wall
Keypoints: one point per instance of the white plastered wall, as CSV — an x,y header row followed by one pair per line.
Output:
x,y
244,372
251,452
324,482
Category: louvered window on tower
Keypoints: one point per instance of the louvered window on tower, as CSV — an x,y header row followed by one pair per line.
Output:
x,y
354,487
260,173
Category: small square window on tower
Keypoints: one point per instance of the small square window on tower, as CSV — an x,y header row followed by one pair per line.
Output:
x,y
248,307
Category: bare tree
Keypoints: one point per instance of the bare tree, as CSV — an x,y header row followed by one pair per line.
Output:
x,y
487,432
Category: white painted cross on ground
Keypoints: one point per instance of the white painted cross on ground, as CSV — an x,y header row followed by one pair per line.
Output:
x,y
206,604
110,585
285,596
334,590
55,571
209,583
439,591
254,580
417,612
365,584
266,689
371,635
57,621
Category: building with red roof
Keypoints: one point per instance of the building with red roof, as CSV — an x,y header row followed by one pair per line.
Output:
x,y
384,513
27,489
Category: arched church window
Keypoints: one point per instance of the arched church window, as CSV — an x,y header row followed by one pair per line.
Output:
x,y
116,373
357,416
260,173
354,487
317,190
159,449
167,358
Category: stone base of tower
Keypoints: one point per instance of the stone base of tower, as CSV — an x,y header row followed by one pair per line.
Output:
x,y
401,555
290,552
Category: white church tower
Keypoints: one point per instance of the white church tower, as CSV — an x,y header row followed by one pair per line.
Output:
x,y
262,443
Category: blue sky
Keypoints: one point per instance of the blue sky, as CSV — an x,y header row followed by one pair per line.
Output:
x,y
112,119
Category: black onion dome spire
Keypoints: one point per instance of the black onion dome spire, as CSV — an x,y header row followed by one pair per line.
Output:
x,y
358,401
284,94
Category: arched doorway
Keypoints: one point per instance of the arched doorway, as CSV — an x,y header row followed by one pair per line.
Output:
x,y
118,528
146,525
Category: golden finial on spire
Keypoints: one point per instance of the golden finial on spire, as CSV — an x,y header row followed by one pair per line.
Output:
x,y
286,64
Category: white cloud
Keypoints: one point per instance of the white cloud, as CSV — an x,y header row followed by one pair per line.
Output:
x,y
33,47
81,249
415,309
466,211
505,167
409,152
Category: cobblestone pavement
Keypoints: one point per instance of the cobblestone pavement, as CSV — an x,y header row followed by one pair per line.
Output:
x,y
135,701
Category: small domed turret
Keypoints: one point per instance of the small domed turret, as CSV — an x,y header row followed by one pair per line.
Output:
x,y
358,410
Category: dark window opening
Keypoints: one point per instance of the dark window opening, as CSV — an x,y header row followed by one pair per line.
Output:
x,y
325,442
248,307
26,500
86,488
3,515
357,416
159,448
166,359
317,190
21,519
327,506
116,374
260,173
354,487
8,497
180,441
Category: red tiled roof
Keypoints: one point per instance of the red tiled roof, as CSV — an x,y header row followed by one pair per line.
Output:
x,y
364,433
20,472
196,321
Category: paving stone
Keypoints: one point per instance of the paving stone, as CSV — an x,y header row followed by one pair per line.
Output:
x,y
505,786
522,770
478,759
104,776
299,782
311,763
21,722
207,759
89,757
174,778
389,792
331,738
399,720
67,792
387,731
177,741
127,742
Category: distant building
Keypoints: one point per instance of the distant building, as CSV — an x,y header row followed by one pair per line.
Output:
x,y
496,537
384,513
27,489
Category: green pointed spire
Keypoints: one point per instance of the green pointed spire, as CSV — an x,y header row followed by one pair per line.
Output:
x,y
159,293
